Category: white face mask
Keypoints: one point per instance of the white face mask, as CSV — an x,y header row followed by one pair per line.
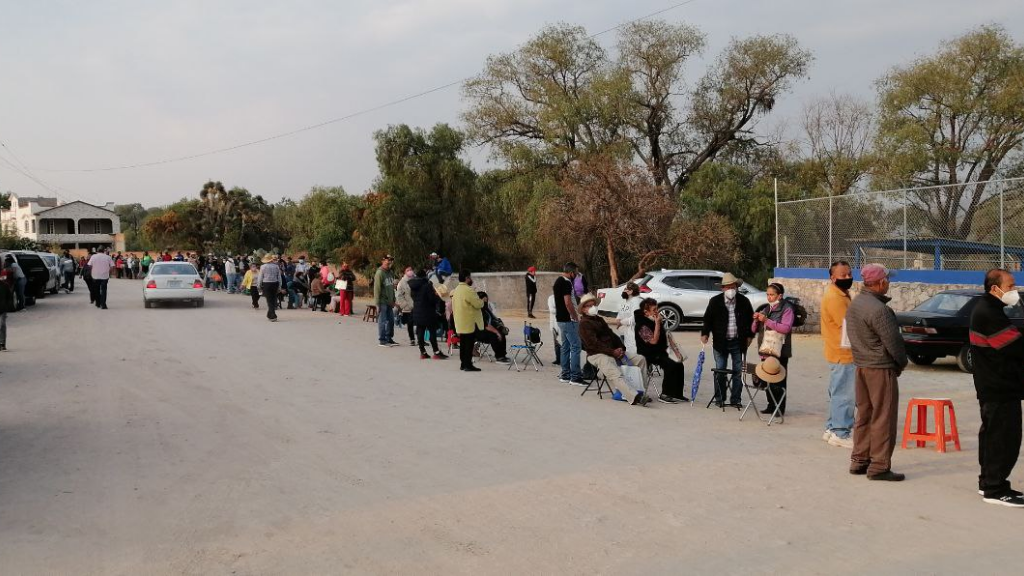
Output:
x,y
730,293
1010,298
592,311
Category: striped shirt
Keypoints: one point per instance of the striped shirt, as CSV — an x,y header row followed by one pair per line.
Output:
x,y
731,332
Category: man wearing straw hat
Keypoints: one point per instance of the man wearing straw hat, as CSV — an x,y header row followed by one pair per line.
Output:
x,y
880,357
270,282
727,320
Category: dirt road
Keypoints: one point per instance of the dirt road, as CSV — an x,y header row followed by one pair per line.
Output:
x,y
210,441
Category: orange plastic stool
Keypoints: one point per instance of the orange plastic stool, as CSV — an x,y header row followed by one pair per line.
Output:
x,y
939,436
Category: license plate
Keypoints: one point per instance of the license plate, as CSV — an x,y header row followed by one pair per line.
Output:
x,y
174,283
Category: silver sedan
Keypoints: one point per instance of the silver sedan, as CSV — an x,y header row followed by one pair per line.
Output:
x,y
173,282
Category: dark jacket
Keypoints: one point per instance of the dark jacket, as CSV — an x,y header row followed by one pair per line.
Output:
x,y
875,338
654,351
349,277
424,302
597,337
997,350
716,320
6,298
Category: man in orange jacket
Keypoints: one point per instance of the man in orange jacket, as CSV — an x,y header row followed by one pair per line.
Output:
x,y
841,402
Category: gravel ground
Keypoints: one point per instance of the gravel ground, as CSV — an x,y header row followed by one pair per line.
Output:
x,y
210,441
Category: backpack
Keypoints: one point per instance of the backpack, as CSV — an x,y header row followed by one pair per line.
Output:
x,y
534,335
799,312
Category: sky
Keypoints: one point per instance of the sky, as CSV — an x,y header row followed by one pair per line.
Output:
x,y
87,85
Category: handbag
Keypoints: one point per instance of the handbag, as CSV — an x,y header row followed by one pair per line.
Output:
x,y
771,343
631,374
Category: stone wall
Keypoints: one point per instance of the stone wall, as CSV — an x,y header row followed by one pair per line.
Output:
x,y
507,290
905,296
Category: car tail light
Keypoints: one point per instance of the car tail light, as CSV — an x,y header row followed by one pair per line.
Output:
x,y
919,330
151,284
645,289
197,284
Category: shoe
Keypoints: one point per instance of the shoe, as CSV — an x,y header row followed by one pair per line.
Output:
x,y
104,307
637,400
888,476
683,399
563,379
827,435
666,399
645,399
383,345
1011,500
471,369
412,342
439,356
840,442
273,319
768,411
503,360
393,343
719,404
3,348
423,356
617,396
736,405
531,316
859,471
577,382
980,492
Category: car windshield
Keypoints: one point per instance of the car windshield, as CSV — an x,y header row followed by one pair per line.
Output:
x,y
173,270
948,304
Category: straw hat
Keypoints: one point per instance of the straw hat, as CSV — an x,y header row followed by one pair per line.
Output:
x,y
728,279
770,370
587,299
268,258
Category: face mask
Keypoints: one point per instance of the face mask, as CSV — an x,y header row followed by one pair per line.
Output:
x,y
592,311
730,293
1010,298
844,283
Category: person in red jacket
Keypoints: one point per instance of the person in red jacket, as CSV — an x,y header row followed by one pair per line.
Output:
x,y
997,350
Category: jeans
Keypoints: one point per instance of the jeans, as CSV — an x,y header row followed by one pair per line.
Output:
x,y
293,297
231,283
385,323
841,401
733,350
101,292
19,291
570,351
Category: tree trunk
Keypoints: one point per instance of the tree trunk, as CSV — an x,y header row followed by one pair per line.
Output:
x,y
613,267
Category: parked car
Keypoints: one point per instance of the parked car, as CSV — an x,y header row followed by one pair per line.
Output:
x,y
682,295
37,275
52,262
939,327
173,282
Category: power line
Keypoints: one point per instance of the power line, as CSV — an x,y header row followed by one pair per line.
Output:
x,y
333,120
24,170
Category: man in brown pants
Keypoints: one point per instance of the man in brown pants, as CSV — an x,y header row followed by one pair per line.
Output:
x,y
880,357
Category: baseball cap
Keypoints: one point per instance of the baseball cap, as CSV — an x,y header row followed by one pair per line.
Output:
x,y
875,272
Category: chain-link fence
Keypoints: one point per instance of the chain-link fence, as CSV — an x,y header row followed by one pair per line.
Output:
x,y
973,226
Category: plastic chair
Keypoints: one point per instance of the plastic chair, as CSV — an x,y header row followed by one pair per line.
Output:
x,y
939,435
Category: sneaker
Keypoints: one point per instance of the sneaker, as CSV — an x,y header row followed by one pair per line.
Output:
x,y
471,369
393,344
577,382
423,356
383,345
273,319
3,348
563,379
503,360
616,395
980,492
827,435
637,400
1011,500
888,476
439,356
840,442
666,399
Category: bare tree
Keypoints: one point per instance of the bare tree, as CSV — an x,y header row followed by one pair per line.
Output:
x,y
839,130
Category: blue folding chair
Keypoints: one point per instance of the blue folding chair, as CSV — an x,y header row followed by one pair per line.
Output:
x,y
528,349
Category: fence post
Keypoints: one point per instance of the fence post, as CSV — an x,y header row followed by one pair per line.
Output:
x,y
904,229
1002,230
776,222
829,229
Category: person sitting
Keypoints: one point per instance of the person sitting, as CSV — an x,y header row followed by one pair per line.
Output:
x,y
494,331
298,290
606,352
316,293
653,343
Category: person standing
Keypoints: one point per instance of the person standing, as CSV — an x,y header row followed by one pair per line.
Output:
x,y
346,275
19,281
384,298
6,302
251,283
834,303
100,265
269,281
531,290
469,319
568,326
626,317
777,315
145,263
67,270
997,350
403,299
424,313
727,320
880,357
230,271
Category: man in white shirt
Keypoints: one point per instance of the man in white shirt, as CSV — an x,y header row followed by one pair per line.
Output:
x,y
230,272
101,264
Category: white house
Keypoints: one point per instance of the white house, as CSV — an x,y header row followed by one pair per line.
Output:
x,y
72,225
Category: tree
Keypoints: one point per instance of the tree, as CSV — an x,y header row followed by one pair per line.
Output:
x,y
838,131
954,118
322,222
424,199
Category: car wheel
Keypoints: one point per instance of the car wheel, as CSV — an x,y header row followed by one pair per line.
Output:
x,y
147,303
964,360
921,359
671,317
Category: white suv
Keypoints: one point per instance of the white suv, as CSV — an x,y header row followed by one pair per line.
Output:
x,y
682,295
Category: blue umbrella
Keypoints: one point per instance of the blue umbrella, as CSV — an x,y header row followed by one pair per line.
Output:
x,y
696,375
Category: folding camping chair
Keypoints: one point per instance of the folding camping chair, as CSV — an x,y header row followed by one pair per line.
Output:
x,y
453,341
482,350
728,373
755,387
528,349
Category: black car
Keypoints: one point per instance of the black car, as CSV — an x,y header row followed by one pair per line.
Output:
x,y
939,327
36,273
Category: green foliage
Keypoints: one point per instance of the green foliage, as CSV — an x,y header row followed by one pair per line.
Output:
x,y
320,223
